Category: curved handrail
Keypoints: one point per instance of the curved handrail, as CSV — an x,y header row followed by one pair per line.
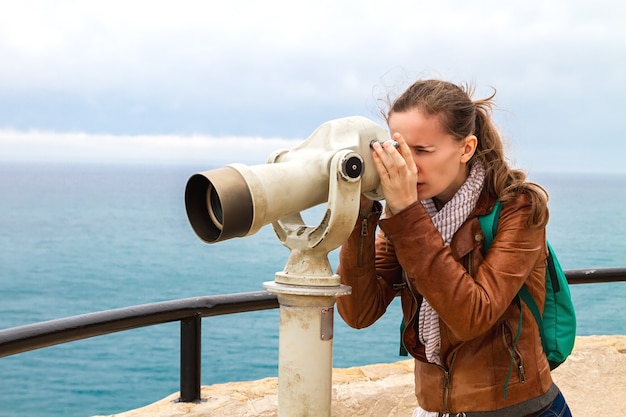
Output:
x,y
48,333
189,312
595,275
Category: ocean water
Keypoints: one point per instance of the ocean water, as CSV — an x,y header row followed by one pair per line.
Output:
x,y
76,239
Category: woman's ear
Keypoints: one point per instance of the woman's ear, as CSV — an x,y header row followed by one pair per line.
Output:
x,y
469,148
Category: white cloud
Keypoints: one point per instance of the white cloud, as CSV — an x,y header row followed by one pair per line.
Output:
x,y
209,152
557,65
198,45
38,146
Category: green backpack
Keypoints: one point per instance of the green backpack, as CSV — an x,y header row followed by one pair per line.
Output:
x,y
558,324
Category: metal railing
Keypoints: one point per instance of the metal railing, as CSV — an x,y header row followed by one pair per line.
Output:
x,y
189,312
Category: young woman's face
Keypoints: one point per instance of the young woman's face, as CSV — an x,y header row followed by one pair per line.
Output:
x,y
441,159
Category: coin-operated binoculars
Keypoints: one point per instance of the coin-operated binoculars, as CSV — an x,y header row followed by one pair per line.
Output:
x,y
334,165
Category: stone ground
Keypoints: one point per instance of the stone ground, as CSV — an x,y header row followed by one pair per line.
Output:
x,y
593,380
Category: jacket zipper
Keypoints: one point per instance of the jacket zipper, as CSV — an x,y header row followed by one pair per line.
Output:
x,y
446,389
520,366
447,382
446,372
514,351
359,261
408,285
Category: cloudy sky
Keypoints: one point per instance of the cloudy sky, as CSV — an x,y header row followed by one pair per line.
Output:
x,y
230,81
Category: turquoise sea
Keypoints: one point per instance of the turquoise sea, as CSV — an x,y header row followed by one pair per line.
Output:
x,y
78,238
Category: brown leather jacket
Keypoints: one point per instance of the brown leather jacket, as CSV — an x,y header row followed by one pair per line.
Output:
x,y
474,296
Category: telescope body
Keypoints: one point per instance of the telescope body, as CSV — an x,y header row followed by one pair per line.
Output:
x,y
237,200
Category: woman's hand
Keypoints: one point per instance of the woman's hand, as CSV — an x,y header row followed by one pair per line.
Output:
x,y
398,173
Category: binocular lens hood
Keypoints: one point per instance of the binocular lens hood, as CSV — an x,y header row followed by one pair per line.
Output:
x,y
211,194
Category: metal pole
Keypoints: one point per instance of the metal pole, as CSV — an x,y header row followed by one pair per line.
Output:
x,y
190,358
305,347
595,275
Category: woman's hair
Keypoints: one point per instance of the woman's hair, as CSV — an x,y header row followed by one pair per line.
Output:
x,y
461,117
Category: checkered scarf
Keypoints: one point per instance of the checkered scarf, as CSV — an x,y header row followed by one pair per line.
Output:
x,y
447,221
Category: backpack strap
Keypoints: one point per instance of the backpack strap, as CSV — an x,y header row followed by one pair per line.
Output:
x,y
532,305
489,226
403,351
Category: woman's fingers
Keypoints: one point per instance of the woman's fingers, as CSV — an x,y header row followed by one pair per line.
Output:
x,y
388,157
397,171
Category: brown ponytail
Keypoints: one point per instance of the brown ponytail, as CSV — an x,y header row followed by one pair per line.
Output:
x,y
501,180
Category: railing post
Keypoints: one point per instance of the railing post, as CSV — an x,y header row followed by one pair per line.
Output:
x,y
190,371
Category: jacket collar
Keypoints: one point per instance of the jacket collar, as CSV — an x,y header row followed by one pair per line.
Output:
x,y
470,235
485,203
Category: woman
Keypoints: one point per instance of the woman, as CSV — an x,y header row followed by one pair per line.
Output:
x,y
458,302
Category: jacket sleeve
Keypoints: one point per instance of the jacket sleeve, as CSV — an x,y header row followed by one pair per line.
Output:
x,y
370,267
468,304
